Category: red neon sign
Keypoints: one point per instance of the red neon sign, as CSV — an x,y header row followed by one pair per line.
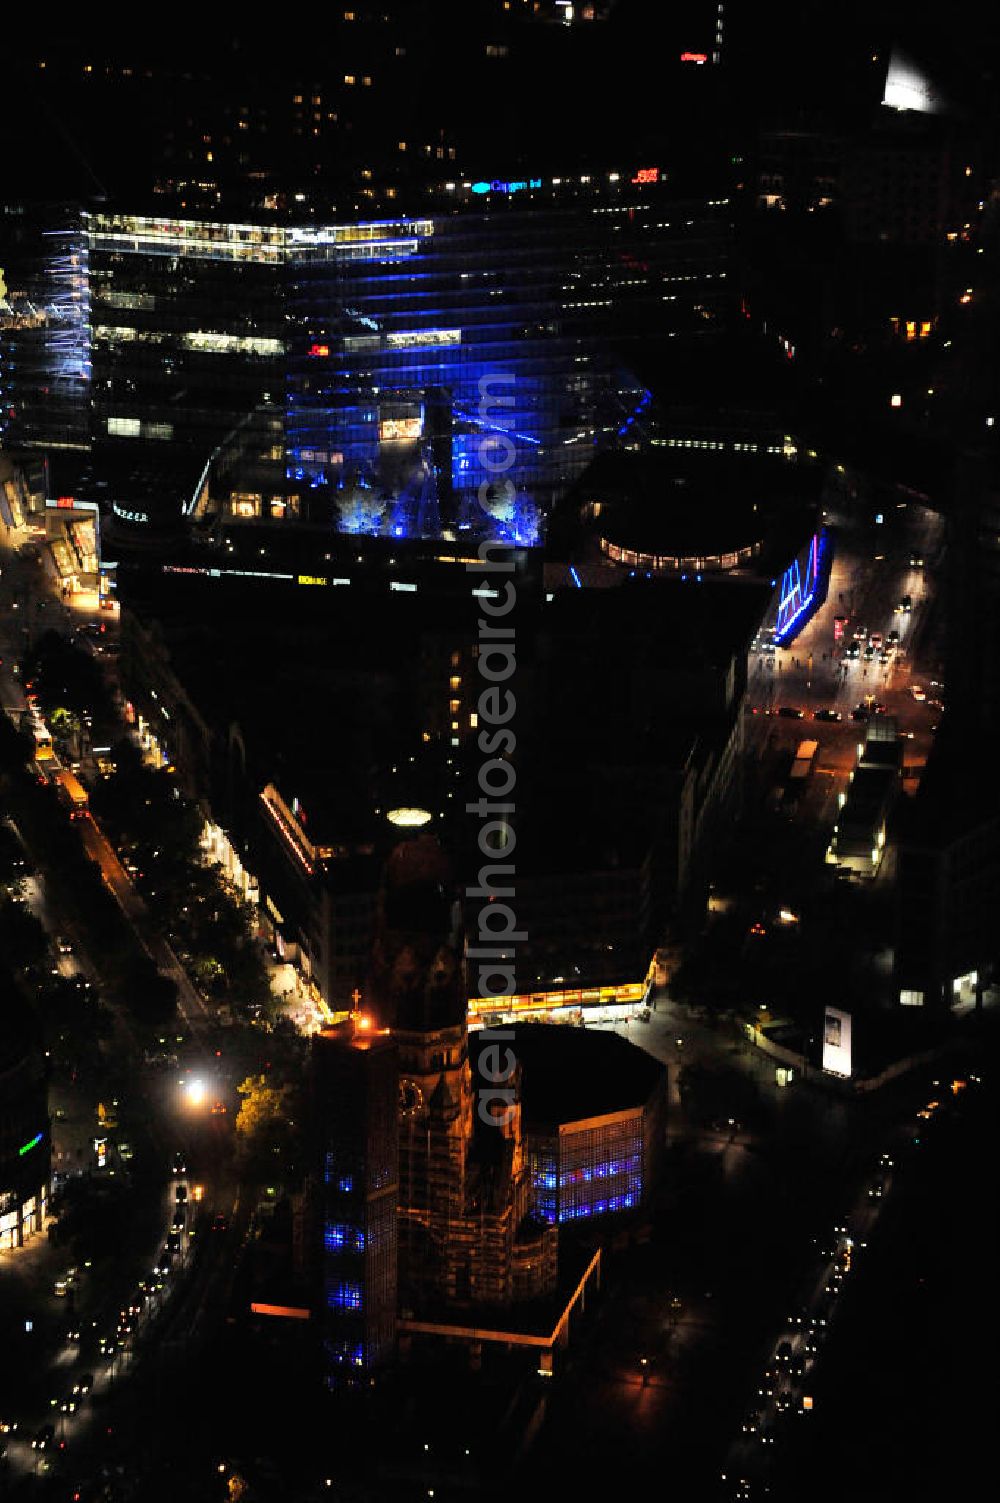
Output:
x,y
694,57
319,349
65,502
647,175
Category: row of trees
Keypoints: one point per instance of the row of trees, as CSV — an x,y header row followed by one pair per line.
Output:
x,y
77,889
190,901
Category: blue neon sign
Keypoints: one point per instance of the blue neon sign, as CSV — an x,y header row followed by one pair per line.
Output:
x,y
799,596
498,186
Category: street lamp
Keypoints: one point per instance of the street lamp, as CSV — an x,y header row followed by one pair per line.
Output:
x,y
195,1092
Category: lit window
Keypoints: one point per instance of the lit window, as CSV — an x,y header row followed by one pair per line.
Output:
x,y
344,1296
911,998
120,427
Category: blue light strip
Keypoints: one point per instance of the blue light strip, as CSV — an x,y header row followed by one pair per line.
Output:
x,y
817,553
576,577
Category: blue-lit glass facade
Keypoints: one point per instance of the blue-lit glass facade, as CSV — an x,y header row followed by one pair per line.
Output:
x,y
438,377
592,1169
355,1105
452,375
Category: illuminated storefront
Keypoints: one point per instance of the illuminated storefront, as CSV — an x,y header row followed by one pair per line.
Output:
x,y
598,1004
25,1146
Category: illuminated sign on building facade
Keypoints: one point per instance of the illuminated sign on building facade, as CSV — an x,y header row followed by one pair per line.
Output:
x,y
127,515
837,1042
497,186
803,588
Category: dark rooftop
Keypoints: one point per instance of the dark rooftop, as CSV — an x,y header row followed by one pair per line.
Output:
x,y
573,1073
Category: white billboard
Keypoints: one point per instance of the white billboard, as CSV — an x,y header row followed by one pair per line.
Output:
x,y
907,87
837,1042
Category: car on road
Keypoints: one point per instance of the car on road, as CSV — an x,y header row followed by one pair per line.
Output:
x,y
63,945
179,1164
876,1190
784,1401
180,1194
751,1423
174,1242
177,1225
829,715
43,1438
219,1109
84,1383
789,712
904,606
854,651
860,712
221,1223
70,1404
916,560
65,1283
869,653
918,693
784,1351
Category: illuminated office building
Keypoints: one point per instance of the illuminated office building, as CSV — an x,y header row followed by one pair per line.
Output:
x,y
426,376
